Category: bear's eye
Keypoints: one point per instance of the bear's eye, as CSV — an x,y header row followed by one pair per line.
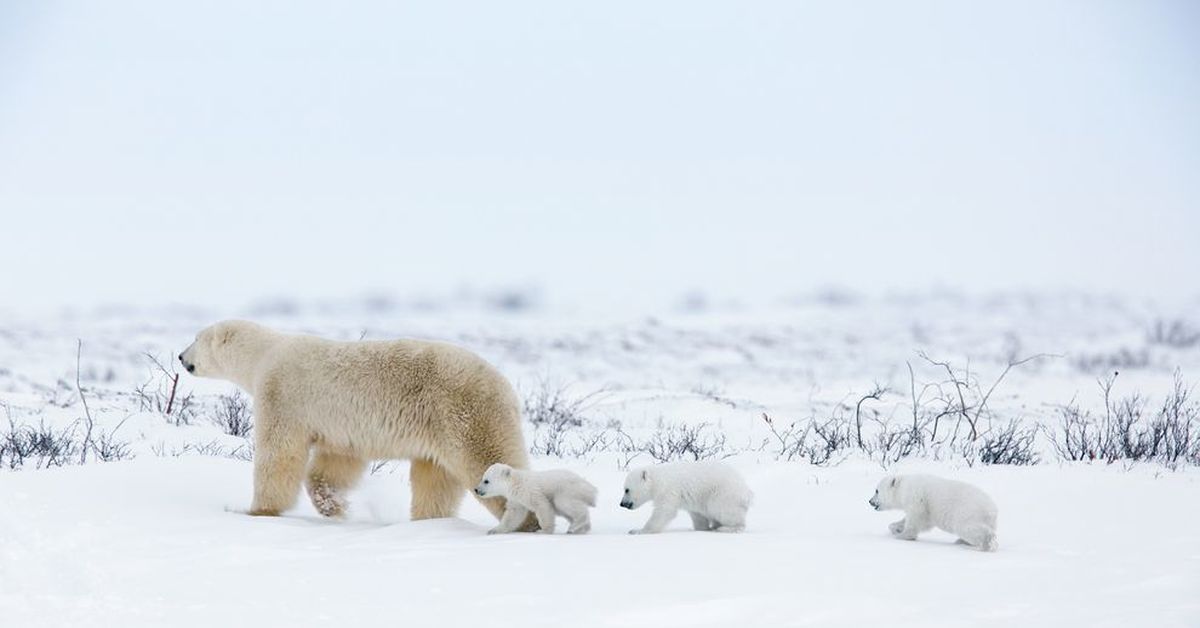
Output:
x,y
486,481
626,490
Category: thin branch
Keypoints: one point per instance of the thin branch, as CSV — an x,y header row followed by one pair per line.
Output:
x,y
87,437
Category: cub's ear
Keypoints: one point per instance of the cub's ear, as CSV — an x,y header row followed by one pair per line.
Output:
x,y
507,472
892,484
645,475
226,335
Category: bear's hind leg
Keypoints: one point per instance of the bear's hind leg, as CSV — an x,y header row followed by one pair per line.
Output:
x,y
980,537
700,522
435,493
728,518
544,511
330,475
577,513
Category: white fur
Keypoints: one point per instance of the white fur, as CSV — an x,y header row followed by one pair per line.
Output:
x,y
324,409
931,502
544,493
714,494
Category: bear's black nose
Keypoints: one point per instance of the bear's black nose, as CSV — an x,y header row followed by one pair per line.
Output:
x,y
191,368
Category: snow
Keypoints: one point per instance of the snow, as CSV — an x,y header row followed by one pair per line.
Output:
x,y
161,539
159,542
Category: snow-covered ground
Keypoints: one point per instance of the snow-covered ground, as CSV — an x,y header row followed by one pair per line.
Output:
x,y
154,542
156,538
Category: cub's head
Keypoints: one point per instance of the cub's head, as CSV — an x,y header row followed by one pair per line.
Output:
x,y
637,489
495,481
210,355
885,494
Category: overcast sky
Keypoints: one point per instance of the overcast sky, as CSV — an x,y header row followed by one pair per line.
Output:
x,y
216,152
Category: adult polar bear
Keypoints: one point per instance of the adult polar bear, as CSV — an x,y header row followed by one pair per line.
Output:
x,y
440,406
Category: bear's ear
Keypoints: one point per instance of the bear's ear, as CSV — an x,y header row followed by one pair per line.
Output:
x,y
892,484
645,475
507,472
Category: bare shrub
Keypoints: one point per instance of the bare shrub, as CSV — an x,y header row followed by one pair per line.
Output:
x,y
233,415
89,423
685,442
624,445
1012,444
877,393
561,427
570,442
547,406
159,393
584,443
791,440
1180,417
1129,431
106,448
214,448
550,439
42,446
967,400
888,445
1177,334
1076,436
830,437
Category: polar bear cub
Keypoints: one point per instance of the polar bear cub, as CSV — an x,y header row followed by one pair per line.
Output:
x,y
545,493
932,502
714,494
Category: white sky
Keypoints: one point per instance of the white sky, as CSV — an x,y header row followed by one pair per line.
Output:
x,y
215,152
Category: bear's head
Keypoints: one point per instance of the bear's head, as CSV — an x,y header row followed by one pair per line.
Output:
x,y
885,494
637,489
212,353
495,481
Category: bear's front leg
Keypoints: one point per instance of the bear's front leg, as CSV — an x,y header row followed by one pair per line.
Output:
x,y
277,480
514,515
663,513
896,527
279,460
912,527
